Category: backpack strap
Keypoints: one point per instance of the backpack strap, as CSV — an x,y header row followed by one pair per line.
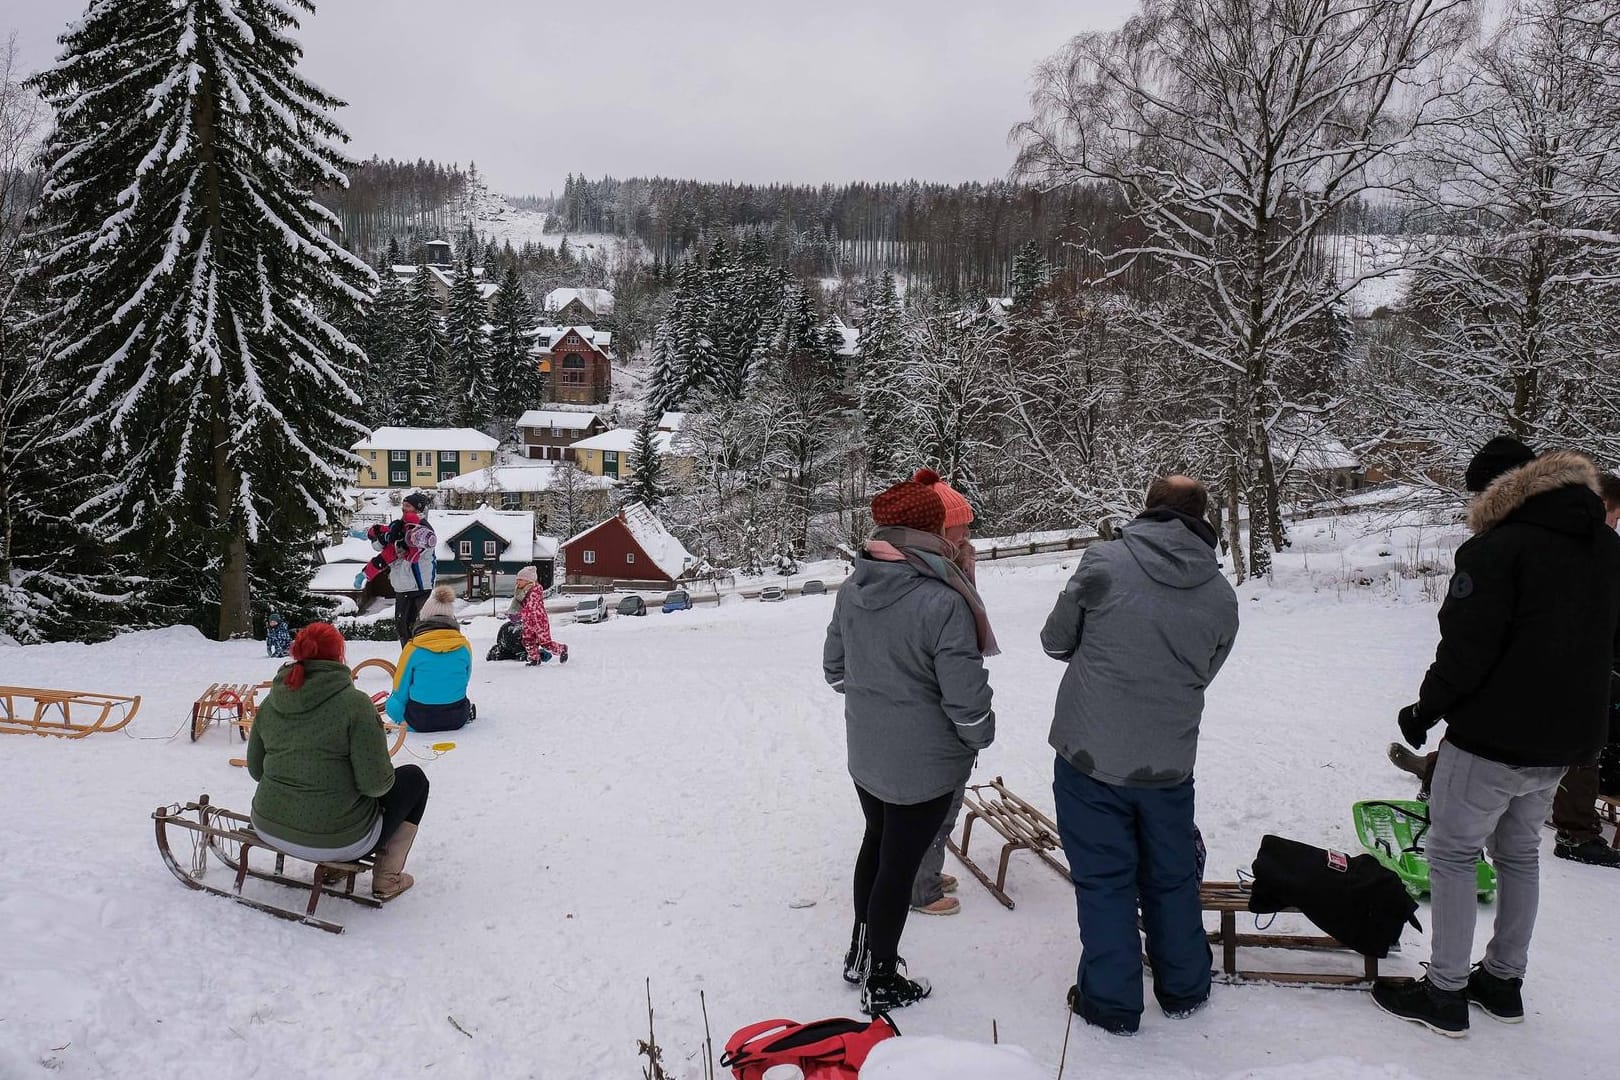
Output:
x,y
738,1053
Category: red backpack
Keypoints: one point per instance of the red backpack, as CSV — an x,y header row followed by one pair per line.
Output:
x,y
823,1050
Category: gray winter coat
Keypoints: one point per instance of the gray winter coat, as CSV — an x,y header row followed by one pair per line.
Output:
x,y
902,650
1144,624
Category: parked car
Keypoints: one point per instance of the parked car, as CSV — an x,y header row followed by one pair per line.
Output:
x,y
773,592
593,610
632,605
813,587
679,600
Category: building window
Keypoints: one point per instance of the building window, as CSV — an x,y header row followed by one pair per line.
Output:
x,y
464,549
424,459
610,463
590,558
373,474
511,500
629,558
573,377
399,476
573,360
489,549
399,455
448,455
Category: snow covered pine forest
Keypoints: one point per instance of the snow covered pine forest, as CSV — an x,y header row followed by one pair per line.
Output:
x,y
1287,247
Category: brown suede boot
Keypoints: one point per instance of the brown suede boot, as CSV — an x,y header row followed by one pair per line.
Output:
x,y
388,876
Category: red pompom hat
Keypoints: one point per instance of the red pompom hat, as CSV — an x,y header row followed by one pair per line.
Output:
x,y
317,641
912,504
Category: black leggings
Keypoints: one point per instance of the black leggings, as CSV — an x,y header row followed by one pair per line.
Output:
x,y
896,839
407,609
404,802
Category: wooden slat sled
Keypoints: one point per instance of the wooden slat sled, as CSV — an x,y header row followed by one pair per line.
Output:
x,y
71,714
1021,825
230,838
227,703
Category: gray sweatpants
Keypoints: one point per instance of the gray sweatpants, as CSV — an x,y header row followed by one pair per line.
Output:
x,y
1476,804
925,890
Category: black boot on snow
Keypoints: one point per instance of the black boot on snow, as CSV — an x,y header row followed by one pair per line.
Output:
x,y
857,958
887,988
1591,852
1499,997
1444,1012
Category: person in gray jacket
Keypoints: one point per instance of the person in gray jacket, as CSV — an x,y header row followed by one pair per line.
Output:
x,y
1144,625
906,648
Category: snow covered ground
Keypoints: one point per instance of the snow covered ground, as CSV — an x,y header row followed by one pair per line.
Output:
x,y
673,804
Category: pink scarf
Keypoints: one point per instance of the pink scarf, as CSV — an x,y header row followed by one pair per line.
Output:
x,y
938,558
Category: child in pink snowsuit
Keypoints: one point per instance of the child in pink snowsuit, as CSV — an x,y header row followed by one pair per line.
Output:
x,y
536,623
398,539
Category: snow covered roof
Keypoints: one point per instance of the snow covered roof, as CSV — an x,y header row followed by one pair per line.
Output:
x,y
600,301
1312,449
623,440
672,421
517,479
334,577
514,526
557,418
659,544
424,438
548,336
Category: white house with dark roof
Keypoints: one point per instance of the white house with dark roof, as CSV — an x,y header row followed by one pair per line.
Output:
x,y
548,433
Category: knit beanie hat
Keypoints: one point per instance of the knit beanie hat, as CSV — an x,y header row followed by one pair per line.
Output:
x,y
418,500
441,605
957,510
317,641
1501,455
528,575
912,504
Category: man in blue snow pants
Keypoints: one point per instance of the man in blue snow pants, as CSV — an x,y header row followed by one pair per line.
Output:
x,y
1144,624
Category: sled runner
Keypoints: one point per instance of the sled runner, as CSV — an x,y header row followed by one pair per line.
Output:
x,y
227,703
1019,823
229,836
72,714
1227,899
1392,831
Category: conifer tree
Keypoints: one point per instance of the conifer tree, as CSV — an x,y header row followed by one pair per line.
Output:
x,y
668,372
420,381
647,483
1030,273
467,350
193,279
515,373
879,374
395,256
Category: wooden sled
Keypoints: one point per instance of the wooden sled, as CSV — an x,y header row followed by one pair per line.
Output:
x,y
226,703
229,836
1021,825
71,714
395,732
1227,899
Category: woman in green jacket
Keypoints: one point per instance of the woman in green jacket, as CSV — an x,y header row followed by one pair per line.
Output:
x,y
327,791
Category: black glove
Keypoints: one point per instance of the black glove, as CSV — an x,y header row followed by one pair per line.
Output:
x,y
1414,726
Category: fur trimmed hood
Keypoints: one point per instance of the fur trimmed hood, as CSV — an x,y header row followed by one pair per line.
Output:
x,y
1549,472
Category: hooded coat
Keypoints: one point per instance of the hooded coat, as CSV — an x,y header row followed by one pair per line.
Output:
x,y
903,650
1144,625
430,682
320,758
1530,628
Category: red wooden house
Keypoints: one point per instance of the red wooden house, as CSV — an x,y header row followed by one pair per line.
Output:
x,y
576,364
632,546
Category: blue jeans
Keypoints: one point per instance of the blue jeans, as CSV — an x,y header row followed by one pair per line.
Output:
x,y
1129,846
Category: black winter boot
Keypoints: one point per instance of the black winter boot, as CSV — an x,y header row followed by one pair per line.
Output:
x,y
887,988
1500,998
856,959
1590,852
1444,1012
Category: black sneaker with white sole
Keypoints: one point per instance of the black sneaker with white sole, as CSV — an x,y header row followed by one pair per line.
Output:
x,y
887,988
1444,1012
1501,999
1590,852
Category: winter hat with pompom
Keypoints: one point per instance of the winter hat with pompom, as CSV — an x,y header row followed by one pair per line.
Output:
x,y
317,641
441,605
912,504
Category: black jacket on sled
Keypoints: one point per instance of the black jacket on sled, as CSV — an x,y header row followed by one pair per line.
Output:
x,y
1530,630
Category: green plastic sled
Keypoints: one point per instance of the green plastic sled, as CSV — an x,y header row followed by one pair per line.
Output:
x,y
1392,832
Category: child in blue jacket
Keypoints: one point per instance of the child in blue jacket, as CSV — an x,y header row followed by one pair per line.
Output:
x,y
430,686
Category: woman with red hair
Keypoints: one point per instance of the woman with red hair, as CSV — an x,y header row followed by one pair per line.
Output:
x,y
327,791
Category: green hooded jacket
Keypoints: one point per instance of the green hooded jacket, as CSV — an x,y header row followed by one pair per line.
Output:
x,y
320,758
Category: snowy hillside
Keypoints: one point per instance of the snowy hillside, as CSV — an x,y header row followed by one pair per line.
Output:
x,y
673,804
490,214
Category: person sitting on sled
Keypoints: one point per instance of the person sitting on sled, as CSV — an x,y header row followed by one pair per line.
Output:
x,y
327,791
277,636
430,684
530,601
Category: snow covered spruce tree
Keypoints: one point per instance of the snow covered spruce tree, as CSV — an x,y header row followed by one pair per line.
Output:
x,y
467,350
194,276
423,368
1235,132
514,372
647,484
881,363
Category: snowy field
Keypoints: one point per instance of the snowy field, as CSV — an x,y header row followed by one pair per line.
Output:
x,y
673,804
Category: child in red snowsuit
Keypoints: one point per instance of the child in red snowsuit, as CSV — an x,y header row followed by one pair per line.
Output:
x,y
536,623
397,539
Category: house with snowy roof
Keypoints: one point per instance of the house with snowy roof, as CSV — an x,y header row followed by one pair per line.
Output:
x,y
1311,462
632,546
442,270
576,363
548,433
421,457
543,489
609,453
494,541
571,306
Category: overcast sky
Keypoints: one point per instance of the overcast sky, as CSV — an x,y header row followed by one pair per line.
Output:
x,y
816,90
